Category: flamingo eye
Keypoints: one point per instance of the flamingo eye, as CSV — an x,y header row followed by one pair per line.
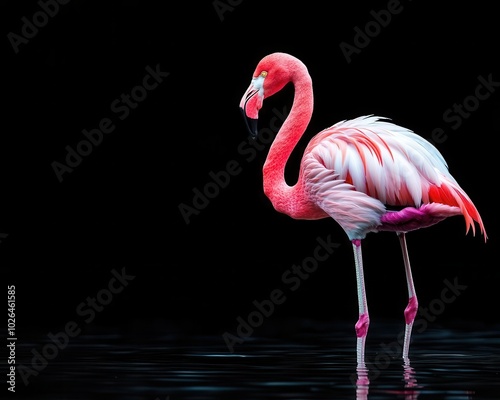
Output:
x,y
263,74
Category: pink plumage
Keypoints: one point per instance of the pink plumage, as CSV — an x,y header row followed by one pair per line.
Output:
x,y
388,166
367,173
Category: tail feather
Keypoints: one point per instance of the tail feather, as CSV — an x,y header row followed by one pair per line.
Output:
x,y
451,194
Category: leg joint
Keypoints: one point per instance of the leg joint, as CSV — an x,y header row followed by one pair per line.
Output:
x,y
362,325
411,310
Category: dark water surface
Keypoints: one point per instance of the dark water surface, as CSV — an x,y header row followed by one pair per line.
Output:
x,y
315,364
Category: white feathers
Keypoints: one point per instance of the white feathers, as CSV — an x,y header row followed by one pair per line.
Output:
x,y
357,167
381,159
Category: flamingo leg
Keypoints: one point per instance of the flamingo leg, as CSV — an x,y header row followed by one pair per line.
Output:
x,y
364,320
412,307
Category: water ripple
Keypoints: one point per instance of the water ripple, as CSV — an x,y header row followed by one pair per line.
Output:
x,y
444,364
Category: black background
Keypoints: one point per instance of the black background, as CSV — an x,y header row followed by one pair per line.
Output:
x,y
119,208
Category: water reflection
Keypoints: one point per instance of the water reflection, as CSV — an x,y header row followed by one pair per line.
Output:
x,y
362,382
411,387
314,365
408,392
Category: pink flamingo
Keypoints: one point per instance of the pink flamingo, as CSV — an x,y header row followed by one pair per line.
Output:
x,y
367,173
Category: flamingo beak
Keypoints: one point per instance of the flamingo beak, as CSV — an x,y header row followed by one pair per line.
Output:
x,y
251,124
249,106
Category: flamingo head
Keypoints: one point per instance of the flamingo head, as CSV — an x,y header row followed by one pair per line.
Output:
x,y
272,73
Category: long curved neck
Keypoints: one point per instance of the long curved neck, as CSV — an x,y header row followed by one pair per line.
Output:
x,y
275,186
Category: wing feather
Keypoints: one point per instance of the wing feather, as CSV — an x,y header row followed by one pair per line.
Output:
x,y
383,161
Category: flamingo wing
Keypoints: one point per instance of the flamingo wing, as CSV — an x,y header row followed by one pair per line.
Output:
x,y
355,168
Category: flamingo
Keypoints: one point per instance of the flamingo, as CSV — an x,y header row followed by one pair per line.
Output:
x,y
367,173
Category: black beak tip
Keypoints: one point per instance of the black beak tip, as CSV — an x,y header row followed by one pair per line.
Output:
x,y
251,124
